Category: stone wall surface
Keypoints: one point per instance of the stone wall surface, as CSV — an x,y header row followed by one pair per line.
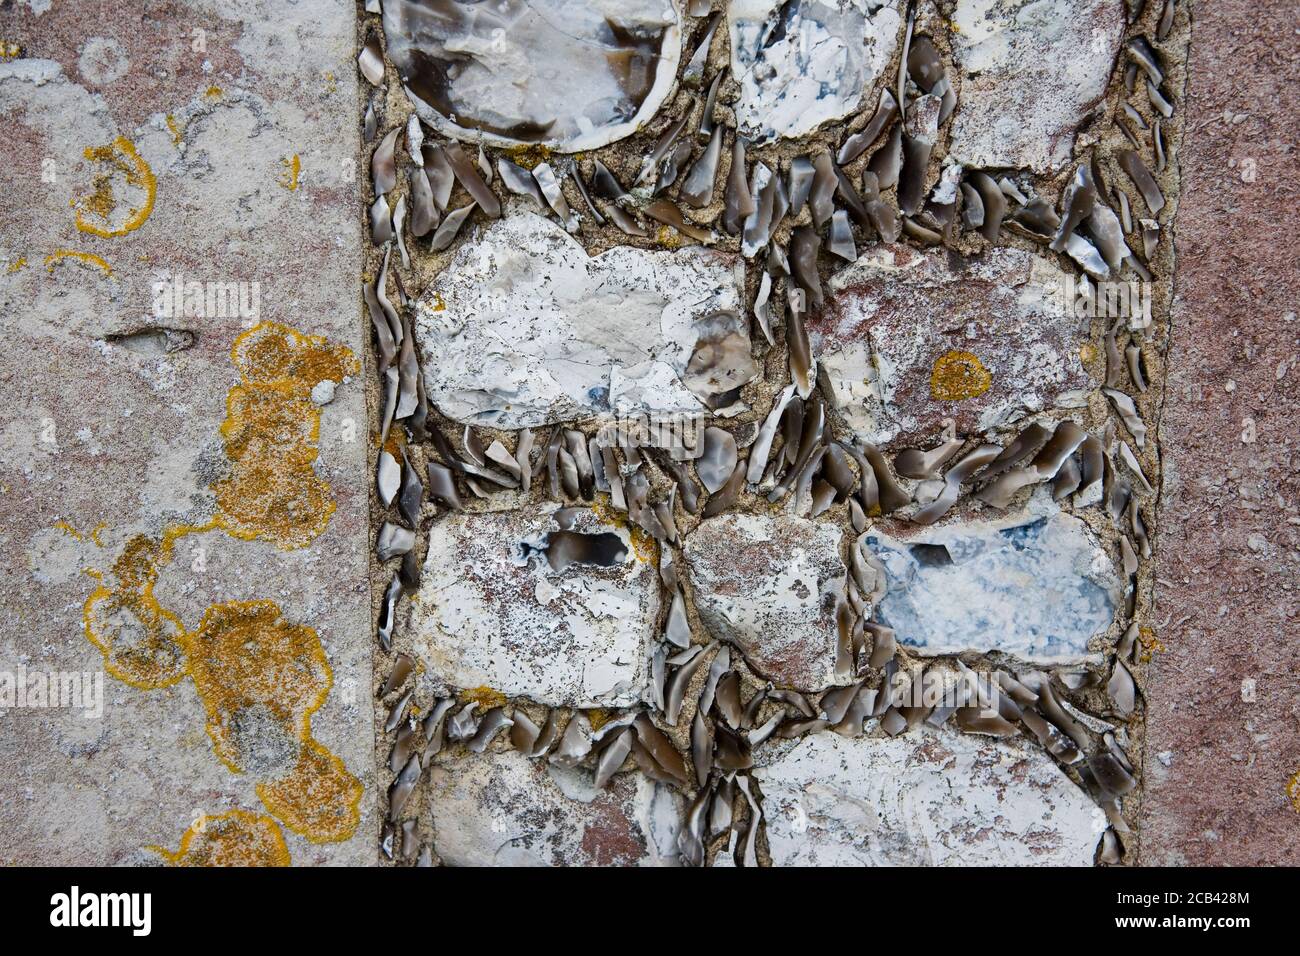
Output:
x,y
181,516
1223,754
444,437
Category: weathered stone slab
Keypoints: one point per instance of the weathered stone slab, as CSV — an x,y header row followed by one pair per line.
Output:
x,y
1036,588
492,610
1222,756
909,338
806,63
768,584
925,798
502,809
1032,69
144,449
523,328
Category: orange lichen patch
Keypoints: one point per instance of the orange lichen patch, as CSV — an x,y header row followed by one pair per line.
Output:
x,y
259,676
529,156
86,258
957,376
91,535
274,354
142,643
289,177
319,800
119,157
485,697
247,659
1149,643
394,443
236,838
270,433
260,679
262,500
668,237
1293,790
174,129
644,546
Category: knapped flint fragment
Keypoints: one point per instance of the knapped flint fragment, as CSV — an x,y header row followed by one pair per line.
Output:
x,y
1137,171
467,174
697,188
439,173
738,201
371,62
446,233
383,162
521,182
859,142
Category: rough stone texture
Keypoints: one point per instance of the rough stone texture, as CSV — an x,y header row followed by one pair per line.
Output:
x,y
925,798
1219,758
117,434
768,584
897,318
524,328
805,63
502,809
1032,70
1038,588
571,74
114,440
492,612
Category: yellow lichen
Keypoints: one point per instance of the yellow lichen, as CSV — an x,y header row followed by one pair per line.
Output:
x,y
668,237
289,176
18,265
598,717
9,51
259,677
957,376
272,491
529,156
319,799
174,129
86,258
91,535
644,546
213,92
120,155
1151,644
1293,790
485,697
235,838
141,642
249,664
